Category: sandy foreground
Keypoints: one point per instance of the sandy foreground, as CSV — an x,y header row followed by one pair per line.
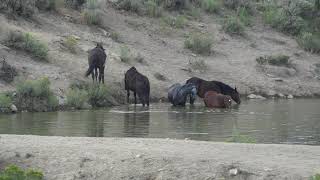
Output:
x,y
130,158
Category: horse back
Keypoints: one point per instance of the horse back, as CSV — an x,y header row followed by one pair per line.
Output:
x,y
97,57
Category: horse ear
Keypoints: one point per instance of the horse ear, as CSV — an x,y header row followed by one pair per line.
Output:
x,y
235,88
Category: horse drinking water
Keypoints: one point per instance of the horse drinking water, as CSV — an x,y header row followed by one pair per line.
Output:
x,y
177,94
204,86
97,60
139,84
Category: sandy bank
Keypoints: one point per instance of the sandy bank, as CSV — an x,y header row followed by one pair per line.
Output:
x,y
129,158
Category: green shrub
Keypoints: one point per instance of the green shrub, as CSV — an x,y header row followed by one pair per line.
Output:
x,y
153,9
278,60
238,138
309,41
71,43
315,177
194,12
235,4
99,96
211,6
125,55
28,43
13,172
176,22
25,8
160,77
244,16
135,6
198,65
76,98
200,44
115,36
36,92
5,101
91,13
233,25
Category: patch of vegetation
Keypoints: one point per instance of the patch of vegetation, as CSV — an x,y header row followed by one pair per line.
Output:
x,y
244,16
99,96
236,4
198,65
24,8
199,43
115,36
315,177
153,9
309,41
7,72
135,6
175,22
160,77
77,98
5,101
78,84
238,138
71,43
278,60
28,43
194,12
13,172
125,54
91,13
211,6
35,95
234,26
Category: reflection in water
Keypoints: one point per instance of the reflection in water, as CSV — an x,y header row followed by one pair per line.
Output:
x,y
271,121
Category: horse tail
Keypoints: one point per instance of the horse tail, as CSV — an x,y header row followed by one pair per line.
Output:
x,y
89,71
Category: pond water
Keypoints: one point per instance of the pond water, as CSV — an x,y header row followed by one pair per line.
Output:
x,y
295,121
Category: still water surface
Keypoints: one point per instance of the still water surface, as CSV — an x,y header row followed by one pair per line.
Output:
x,y
271,121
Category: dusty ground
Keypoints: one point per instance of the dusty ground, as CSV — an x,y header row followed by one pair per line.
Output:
x,y
232,60
129,158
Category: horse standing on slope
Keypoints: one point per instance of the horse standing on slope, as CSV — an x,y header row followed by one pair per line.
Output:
x,y
178,94
139,84
97,60
204,86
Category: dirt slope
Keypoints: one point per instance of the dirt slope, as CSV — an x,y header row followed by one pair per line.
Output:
x,y
232,60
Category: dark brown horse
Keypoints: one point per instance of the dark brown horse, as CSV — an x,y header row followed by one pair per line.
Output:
x,y
213,99
204,86
139,84
97,60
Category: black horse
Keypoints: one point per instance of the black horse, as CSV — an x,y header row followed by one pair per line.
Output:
x,y
177,94
139,84
97,60
204,86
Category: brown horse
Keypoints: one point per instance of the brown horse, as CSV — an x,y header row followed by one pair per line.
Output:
x,y
97,60
139,84
204,86
213,99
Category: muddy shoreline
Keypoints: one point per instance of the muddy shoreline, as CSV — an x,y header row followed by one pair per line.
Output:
x,y
135,158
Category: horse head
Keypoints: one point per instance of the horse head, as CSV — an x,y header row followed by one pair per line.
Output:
x,y
235,96
99,45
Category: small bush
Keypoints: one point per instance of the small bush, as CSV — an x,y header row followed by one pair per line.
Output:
x,y
25,8
76,98
135,6
315,177
33,93
28,43
211,6
235,4
278,60
200,44
153,9
99,96
176,22
244,16
7,72
5,101
91,13
233,25
71,43
78,84
309,42
125,55
13,172
198,65
194,12
238,138
115,36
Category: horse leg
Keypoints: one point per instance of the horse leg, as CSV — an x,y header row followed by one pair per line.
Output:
x,y
92,75
128,95
135,97
102,74
96,74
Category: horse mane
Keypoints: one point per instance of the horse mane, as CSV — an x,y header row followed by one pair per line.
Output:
x,y
224,87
